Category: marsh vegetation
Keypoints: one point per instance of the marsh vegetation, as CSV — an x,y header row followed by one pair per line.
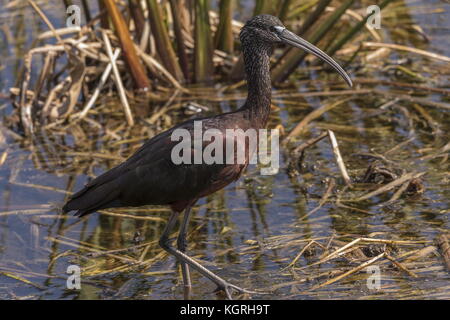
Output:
x,y
75,102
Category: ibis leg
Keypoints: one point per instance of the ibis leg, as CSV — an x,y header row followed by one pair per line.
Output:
x,y
182,246
164,242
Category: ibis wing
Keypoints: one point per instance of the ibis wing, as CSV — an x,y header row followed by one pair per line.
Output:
x,y
150,176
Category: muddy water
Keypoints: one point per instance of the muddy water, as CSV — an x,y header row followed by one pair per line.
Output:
x,y
253,229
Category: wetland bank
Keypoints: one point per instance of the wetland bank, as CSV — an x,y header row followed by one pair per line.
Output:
x,y
307,232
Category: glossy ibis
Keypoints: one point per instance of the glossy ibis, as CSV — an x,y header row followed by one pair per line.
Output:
x,y
150,177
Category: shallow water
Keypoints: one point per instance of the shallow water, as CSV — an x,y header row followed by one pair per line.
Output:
x,y
252,230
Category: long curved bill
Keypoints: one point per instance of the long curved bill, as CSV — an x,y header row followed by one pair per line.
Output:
x,y
295,41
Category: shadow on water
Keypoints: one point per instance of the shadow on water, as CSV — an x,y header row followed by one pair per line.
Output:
x,y
262,232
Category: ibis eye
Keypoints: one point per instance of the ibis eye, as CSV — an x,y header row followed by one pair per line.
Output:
x,y
277,29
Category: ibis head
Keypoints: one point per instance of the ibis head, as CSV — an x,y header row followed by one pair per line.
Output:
x,y
264,32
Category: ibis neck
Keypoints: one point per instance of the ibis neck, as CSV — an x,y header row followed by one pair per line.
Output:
x,y
257,68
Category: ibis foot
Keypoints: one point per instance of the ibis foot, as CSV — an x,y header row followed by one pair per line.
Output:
x,y
228,289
